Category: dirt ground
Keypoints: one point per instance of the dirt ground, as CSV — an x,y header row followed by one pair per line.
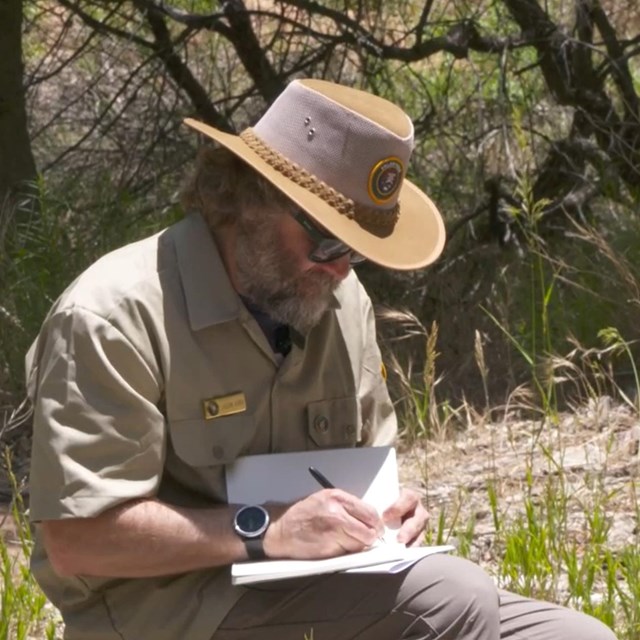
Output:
x,y
591,453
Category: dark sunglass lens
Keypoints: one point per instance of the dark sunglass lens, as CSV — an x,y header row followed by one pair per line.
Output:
x,y
328,250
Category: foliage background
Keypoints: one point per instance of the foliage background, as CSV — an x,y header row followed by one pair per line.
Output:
x,y
526,117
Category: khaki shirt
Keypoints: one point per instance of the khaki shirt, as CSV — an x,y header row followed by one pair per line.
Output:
x,y
120,375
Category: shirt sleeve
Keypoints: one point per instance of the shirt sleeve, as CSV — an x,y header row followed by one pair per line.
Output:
x,y
99,437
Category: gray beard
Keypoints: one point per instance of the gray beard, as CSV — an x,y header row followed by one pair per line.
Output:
x,y
267,276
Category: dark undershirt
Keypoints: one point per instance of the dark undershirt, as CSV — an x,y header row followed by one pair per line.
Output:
x,y
278,334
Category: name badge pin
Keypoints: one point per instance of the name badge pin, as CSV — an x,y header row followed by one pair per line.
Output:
x,y
224,405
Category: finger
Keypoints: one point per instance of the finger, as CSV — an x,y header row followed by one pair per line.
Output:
x,y
406,504
362,522
410,532
355,507
414,526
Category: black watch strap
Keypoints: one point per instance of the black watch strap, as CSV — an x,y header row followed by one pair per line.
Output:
x,y
255,548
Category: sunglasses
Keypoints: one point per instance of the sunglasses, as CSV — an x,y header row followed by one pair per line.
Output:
x,y
328,248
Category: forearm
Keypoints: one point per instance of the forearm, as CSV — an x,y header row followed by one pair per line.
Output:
x,y
150,538
143,538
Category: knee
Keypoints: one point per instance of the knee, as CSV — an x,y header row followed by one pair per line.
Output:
x,y
586,627
456,595
468,588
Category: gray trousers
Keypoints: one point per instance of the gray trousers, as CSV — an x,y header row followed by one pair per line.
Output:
x,y
441,597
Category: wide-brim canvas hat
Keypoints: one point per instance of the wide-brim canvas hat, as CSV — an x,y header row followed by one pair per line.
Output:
x,y
342,154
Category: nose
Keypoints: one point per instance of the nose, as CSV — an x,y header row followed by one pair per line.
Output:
x,y
338,268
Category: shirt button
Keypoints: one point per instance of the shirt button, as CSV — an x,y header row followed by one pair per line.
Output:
x,y
349,429
218,452
321,424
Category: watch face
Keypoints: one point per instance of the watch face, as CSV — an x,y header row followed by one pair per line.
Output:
x,y
252,521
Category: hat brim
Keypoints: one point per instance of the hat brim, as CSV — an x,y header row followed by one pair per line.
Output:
x,y
416,240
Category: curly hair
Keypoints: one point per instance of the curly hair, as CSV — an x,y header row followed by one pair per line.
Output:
x,y
223,188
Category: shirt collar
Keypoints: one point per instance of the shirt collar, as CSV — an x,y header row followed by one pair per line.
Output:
x,y
209,294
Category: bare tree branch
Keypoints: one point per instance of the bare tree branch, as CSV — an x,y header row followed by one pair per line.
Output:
x,y
98,121
179,71
101,26
574,82
619,66
422,22
251,54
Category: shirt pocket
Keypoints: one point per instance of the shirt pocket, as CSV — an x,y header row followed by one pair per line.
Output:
x,y
333,423
205,443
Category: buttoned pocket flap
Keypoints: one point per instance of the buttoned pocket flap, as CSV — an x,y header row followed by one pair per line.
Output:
x,y
205,443
333,423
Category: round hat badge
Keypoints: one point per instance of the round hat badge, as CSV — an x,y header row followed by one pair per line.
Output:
x,y
385,179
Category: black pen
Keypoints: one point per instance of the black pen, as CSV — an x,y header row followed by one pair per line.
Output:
x,y
321,479
324,482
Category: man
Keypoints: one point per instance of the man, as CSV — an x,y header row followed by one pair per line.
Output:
x,y
243,330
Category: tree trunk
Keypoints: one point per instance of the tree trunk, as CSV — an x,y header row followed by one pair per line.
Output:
x,y
17,167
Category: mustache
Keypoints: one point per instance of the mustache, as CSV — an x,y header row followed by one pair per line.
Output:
x,y
309,285
315,283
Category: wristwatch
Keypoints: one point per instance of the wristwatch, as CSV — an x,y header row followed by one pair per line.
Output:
x,y
250,523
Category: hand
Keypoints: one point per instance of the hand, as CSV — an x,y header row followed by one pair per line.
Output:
x,y
413,516
327,523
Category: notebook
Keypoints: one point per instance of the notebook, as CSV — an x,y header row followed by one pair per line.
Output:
x,y
370,473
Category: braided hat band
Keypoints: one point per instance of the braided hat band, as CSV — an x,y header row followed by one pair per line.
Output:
x,y
361,213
